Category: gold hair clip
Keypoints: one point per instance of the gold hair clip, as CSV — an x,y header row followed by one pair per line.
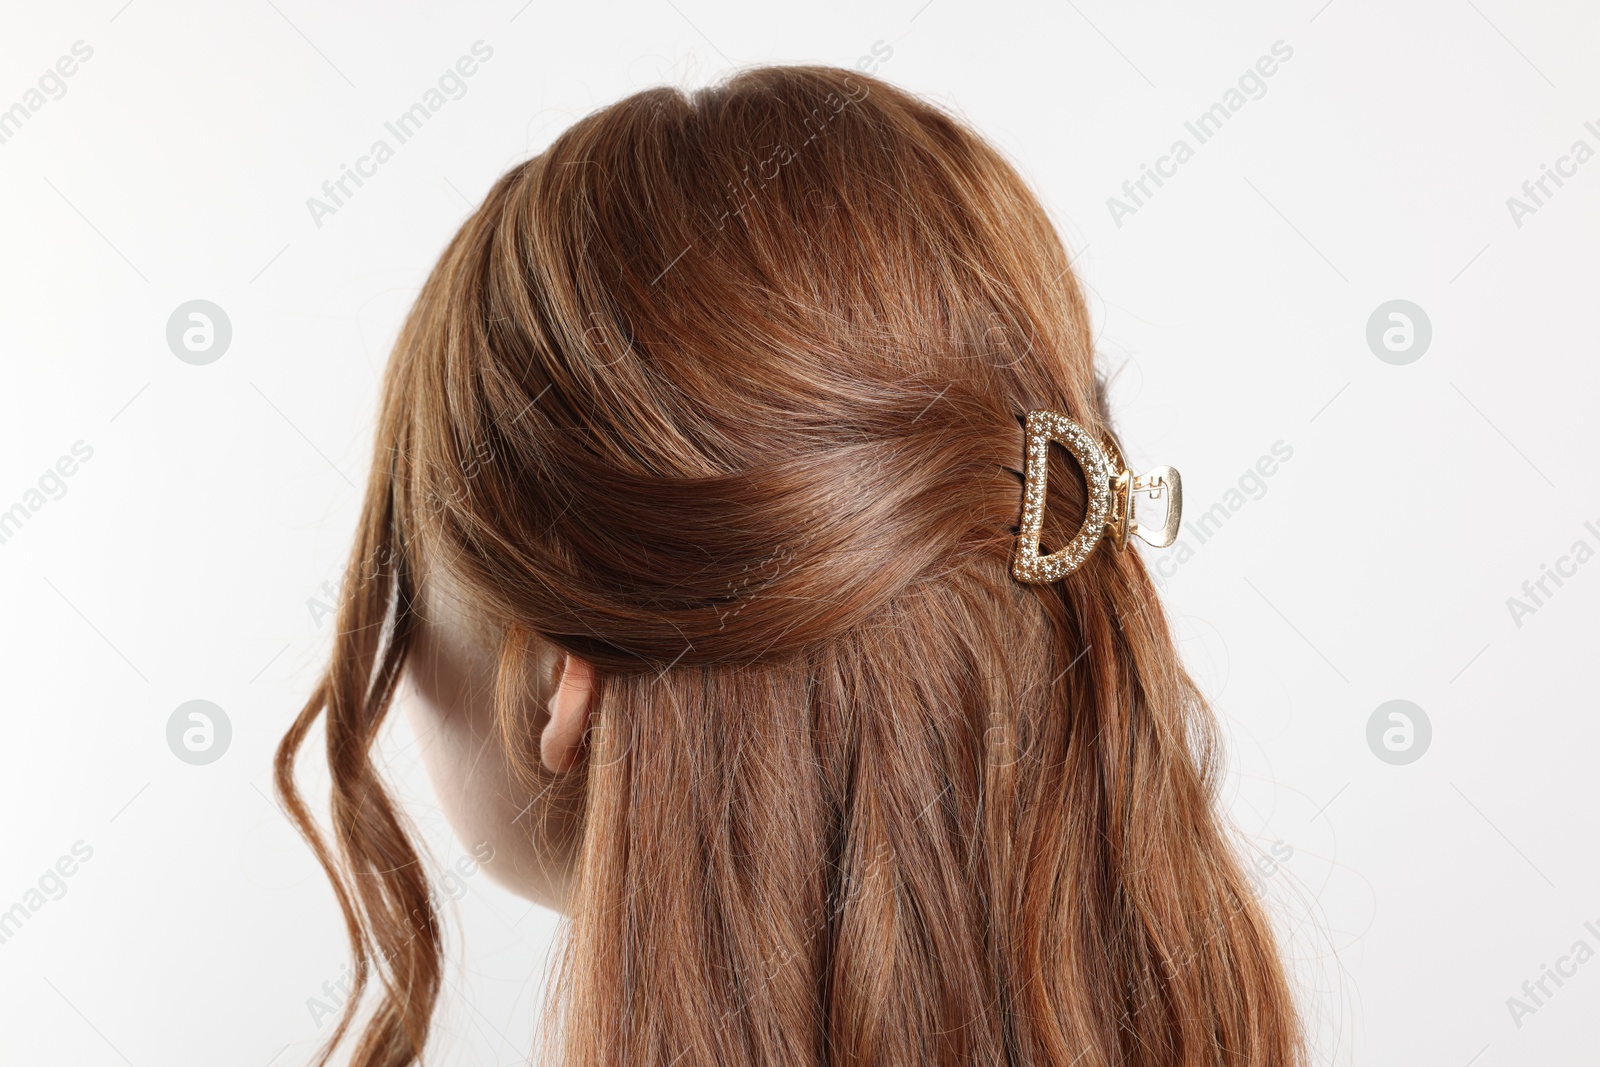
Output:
x,y
1112,488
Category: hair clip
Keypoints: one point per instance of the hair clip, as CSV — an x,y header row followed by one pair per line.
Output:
x,y
1112,488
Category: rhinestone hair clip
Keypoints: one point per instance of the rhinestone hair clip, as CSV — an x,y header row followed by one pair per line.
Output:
x,y
1112,488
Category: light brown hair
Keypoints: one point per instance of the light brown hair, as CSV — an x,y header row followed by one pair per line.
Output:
x,y
723,392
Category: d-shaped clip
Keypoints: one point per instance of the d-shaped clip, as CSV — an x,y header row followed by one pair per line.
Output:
x,y
1112,488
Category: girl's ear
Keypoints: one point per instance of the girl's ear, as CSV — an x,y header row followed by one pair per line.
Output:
x,y
569,715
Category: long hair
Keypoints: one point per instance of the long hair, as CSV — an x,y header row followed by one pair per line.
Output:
x,y
724,393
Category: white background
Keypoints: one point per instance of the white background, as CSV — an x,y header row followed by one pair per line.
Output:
x,y
1376,565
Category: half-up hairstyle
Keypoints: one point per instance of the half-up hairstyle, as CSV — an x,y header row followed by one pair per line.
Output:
x,y
724,393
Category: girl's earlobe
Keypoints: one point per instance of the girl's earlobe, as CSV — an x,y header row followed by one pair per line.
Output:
x,y
569,714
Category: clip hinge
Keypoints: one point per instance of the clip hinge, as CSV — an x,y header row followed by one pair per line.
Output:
x,y
1149,483
1153,483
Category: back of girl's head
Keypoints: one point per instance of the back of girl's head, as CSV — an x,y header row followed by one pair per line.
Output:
x,y
724,393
